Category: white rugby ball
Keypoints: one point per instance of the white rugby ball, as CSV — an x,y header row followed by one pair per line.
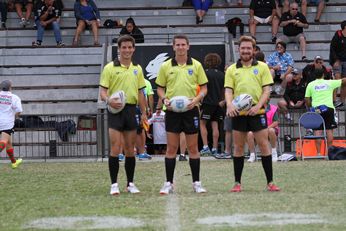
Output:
x,y
243,102
119,96
179,103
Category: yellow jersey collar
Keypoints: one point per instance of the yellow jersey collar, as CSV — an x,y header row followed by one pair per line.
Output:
x,y
117,63
188,62
240,65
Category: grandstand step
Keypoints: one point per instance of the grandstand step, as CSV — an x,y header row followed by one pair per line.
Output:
x,y
60,108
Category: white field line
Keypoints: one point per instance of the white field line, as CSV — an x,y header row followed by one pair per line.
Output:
x,y
263,219
172,213
84,223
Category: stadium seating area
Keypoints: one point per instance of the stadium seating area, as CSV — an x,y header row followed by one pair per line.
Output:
x,y
54,80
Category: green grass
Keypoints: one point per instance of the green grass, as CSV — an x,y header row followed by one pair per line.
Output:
x,y
39,190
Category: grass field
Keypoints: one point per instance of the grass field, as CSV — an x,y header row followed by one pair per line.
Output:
x,y
72,196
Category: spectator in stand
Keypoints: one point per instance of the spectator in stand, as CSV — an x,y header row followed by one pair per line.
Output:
x,y
201,7
10,108
273,132
3,11
337,55
28,5
294,95
259,56
47,16
304,6
293,23
280,63
130,28
213,103
87,16
309,70
264,12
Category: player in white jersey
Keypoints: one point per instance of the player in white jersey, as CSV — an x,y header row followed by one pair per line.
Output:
x,y
10,107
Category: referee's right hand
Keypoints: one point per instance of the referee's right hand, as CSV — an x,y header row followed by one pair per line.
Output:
x,y
231,110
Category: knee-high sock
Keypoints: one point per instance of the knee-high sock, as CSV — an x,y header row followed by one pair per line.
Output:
x,y
170,166
268,167
130,165
195,166
238,163
113,164
10,155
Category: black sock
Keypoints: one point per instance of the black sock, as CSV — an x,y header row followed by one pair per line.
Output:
x,y
170,166
195,165
113,165
268,167
130,164
238,163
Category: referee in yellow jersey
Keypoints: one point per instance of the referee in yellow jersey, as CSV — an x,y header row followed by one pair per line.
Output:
x,y
123,74
180,76
252,77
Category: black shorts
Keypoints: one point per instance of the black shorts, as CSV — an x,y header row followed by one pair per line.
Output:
x,y
178,122
124,120
8,131
138,119
249,123
211,112
329,119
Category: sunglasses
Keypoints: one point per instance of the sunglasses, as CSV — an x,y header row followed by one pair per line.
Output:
x,y
294,8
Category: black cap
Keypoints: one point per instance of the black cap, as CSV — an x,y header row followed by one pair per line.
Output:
x,y
5,85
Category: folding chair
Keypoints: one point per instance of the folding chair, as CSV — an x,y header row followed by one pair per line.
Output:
x,y
312,120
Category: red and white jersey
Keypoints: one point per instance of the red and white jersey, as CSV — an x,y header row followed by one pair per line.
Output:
x,y
10,104
159,128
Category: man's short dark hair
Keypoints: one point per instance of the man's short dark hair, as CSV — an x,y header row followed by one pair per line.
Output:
x,y
319,73
343,24
126,38
5,85
181,36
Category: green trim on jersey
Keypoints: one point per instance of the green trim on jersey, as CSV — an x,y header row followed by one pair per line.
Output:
x,y
181,80
248,80
118,77
321,92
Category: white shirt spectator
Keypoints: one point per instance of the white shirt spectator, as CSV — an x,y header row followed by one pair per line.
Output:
x,y
10,104
159,128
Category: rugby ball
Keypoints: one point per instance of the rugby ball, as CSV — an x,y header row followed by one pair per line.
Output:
x,y
243,102
118,96
179,103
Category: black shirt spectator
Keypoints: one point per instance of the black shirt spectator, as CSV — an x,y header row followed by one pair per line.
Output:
x,y
216,80
262,8
309,70
130,28
338,45
295,92
41,8
291,29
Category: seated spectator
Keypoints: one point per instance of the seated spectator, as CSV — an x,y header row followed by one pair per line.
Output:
x,y
280,64
260,56
3,11
263,12
87,16
47,16
201,7
273,132
304,6
337,55
293,23
130,28
309,70
28,5
294,96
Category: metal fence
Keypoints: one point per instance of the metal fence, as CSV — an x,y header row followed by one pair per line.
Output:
x,y
58,136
